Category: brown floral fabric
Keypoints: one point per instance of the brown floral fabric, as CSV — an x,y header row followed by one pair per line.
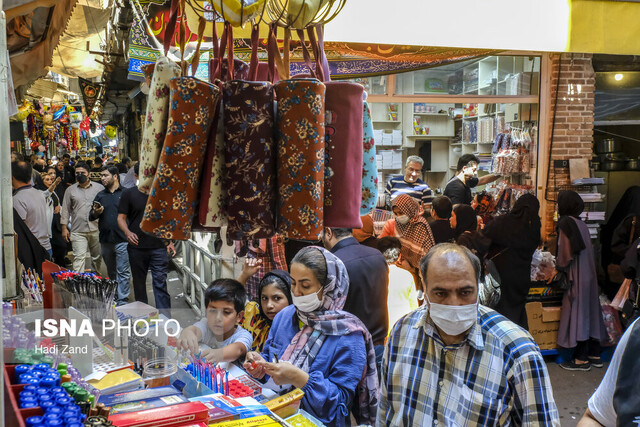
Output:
x,y
300,141
249,158
173,197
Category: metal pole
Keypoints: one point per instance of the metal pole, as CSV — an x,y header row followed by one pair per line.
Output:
x,y
7,283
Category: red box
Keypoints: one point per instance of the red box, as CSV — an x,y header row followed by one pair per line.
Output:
x,y
188,413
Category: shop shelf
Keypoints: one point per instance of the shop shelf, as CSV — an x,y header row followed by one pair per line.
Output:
x,y
429,136
386,121
431,114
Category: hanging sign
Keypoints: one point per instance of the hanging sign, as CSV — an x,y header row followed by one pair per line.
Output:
x,y
89,94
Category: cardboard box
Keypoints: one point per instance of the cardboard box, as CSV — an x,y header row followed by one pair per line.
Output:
x,y
175,415
543,324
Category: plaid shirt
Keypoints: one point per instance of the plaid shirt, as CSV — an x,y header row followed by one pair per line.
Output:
x,y
495,376
271,252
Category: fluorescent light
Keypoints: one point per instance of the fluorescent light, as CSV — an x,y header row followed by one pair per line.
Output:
x,y
618,76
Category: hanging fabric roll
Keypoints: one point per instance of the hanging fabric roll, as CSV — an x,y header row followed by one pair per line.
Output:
x,y
155,121
249,154
212,211
369,165
343,141
173,197
300,141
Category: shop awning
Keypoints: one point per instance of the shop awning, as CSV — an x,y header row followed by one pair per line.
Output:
x,y
591,26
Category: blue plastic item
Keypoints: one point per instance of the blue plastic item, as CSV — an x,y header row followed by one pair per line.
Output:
x,y
49,381
27,393
55,410
45,398
52,416
47,405
72,420
63,401
34,421
19,370
31,387
41,367
29,399
54,423
23,378
28,405
43,390
75,425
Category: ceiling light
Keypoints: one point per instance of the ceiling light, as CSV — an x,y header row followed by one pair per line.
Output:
x,y
618,76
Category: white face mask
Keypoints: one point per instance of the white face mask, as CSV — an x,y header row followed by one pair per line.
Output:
x,y
307,303
453,319
402,219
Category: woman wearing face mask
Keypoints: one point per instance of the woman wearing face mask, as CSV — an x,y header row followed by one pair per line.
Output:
x,y
581,325
316,346
274,294
412,229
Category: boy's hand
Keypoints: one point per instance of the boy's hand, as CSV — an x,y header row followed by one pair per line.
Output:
x,y
253,365
189,341
213,355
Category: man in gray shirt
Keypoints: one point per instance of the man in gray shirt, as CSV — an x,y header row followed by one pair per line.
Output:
x,y
74,217
30,203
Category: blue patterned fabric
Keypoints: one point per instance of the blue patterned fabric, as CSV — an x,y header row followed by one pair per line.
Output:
x,y
369,165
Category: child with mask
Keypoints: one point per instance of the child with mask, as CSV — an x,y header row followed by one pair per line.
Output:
x,y
226,341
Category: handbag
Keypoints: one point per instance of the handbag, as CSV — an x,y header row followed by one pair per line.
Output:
x,y
489,292
631,307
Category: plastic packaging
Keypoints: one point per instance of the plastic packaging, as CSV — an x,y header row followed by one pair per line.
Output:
x,y
157,372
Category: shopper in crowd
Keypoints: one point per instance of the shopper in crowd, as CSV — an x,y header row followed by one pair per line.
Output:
x,y
54,206
514,239
37,168
113,242
274,294
403,296
146,252
267,254
96,169
616,401
483,204
30,204
15,156
622,228
458,189
410,183
76,226
412,230
464,222
455,362
129,180
368,283
630,265
70,174
226,341
441,209
365,235
320,348
581,325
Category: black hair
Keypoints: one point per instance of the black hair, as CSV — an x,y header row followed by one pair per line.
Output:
x,y
443,206
66,156
113,171
342,232
465,159
466,219
46,168
313,259
229,290
82,165
18,156
125,160
390,247
121,167
136,168
443,248
97,160
273,278
21,171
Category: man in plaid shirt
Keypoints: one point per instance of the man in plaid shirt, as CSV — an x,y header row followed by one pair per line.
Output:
x,y
454,362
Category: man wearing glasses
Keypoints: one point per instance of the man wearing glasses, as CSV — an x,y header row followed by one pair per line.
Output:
x,y
410,184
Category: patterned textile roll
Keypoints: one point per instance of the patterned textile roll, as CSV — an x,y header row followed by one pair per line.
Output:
x,y
343,153
249,158
300,141
369,165
174,193
155,121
